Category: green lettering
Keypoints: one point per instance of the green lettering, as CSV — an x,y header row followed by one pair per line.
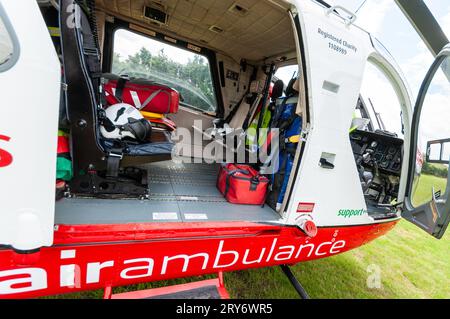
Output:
x,y
347,213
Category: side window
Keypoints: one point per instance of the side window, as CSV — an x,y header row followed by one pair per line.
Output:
x,y
187,72
286,73
7,44
381,102
433,140
376,136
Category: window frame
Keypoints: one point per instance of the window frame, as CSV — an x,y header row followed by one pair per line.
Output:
x,y
433,216
209,55
415,130
15,42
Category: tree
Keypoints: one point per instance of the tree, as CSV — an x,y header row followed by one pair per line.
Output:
x,y
192,80
435,170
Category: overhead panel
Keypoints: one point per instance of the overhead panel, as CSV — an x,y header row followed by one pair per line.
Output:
x,y
250,29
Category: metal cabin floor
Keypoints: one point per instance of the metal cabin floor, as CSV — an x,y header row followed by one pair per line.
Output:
x,y
178,193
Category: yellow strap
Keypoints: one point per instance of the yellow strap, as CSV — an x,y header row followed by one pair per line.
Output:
x,y
353,129
62,133
294,139
54,32
152,115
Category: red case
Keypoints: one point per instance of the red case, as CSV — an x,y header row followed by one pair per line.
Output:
x,y
136,92
241,184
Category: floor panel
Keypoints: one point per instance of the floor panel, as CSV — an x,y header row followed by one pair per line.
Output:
x,y
178,192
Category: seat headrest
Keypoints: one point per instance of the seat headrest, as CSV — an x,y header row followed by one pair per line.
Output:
x,y
277,90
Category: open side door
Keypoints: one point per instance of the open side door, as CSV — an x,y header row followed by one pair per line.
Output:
x,y
427,204
30,77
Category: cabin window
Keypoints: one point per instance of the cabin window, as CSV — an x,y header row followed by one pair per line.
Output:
x,y
381,102
187,72
286,73
8,47
376,136
431,178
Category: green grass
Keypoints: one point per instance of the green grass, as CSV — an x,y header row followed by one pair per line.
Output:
x,y
412,264
425,186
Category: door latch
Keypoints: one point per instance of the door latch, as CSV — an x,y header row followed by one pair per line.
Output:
x,y
324,163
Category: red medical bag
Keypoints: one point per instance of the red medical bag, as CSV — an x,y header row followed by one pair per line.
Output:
x,y
241,184
143,94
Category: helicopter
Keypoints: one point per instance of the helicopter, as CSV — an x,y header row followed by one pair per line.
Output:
x,y
138,212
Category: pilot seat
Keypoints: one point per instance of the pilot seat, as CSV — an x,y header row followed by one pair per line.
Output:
x,y
102,167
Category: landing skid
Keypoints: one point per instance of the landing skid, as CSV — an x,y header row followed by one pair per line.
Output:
x,y
295,283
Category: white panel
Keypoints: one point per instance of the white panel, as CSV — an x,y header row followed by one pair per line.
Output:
x,y
165,216
29,116
195,216
331,115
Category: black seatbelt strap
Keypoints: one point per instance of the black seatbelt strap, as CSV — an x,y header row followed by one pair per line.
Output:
x,y
264,101
103,82
120,87
254,183
113,162
231,174
287,123
235,109
89,45
284,126
251,113
277,114
233,112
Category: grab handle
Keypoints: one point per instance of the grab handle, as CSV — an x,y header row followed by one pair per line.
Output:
x,y
348,20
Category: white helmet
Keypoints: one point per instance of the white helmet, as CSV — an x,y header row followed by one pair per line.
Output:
x,y
125,121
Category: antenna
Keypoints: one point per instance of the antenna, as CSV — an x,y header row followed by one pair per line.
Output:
x,y
377,117
360,6
365,112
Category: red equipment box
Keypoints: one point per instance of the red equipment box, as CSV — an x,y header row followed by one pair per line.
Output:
x,y
143,94
241,184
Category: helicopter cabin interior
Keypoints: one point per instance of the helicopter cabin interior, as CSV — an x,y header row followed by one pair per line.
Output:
x,y
220,57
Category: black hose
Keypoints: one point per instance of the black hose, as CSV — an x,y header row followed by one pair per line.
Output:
x,y
93,21
298,287
89,7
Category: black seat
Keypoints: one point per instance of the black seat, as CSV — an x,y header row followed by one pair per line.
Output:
x,y
277,90
99,165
